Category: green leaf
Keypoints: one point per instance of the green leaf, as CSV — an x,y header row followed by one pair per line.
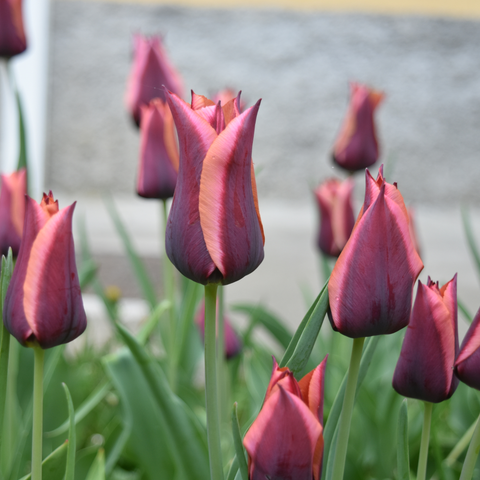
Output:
x,y
237,443
22,155
331,425
403,458
472,244
97,470
53,467
138,267
85,408
233,470
87,272
301,345
462,307
152,321
72,438
259,315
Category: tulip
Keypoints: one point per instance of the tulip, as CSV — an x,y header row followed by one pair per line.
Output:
x,y
467,364
285,442
425,368
12,210
43,305
12,33
151,70
336,215
232,343
158,166
356,147
371,286
214,232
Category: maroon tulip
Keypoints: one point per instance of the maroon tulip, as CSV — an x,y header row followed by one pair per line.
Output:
x,y
158,167
214,232
12,33
44,304
285,442
467,364
12,210
356,147
151,71
232,343
336,215
371,286
425,368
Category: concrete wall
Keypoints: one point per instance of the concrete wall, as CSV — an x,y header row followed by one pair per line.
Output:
x,y
300,63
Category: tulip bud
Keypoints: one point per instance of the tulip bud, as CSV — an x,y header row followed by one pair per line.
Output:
x,y
371,286
356,147
286,441
214,233
467,364
334,200
151,70
158,167
12,210
12,33
232,343
44,304
425,368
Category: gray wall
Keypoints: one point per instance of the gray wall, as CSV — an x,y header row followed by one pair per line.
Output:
x,y
300,64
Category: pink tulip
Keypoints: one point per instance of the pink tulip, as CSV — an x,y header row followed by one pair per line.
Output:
x,y
214,232
467,364
12,210
151,71
425,368
158,167
12,33
44,304
285,442
371,286
336,215
356,147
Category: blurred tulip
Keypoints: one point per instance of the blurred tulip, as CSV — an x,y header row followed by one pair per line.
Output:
x,y
158,167
425,368
12,33
44,304
371,286
467,364
214,232
12,210
151,70
334,200
285,442
356,147
233,345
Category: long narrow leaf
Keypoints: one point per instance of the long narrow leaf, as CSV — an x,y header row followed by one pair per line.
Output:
x,y
22,154
138,267
233,470
152,321
403,458
97,470
467,227
53,466
237,443
462,307
72,437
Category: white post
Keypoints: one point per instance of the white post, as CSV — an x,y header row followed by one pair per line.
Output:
x,y
30,70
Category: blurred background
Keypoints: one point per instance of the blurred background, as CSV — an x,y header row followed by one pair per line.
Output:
x,y
299,57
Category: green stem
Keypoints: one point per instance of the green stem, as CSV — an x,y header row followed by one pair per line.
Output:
x,y
37,435
346,415
221,354
461,446
472,454
4,354
211,393
422,459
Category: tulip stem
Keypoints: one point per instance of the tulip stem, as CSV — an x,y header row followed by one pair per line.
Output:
x,y
422,459
211,390
472,454
37,435
346,415
221,354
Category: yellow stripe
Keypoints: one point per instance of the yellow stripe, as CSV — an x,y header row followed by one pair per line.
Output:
x,y
458,8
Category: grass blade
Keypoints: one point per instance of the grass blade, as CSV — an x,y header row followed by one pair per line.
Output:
x,y
403,458
72,438
237,442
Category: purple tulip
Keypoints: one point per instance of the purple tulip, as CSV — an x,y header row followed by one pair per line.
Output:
x,y
12,33
44,304
425,368
214,232
467,365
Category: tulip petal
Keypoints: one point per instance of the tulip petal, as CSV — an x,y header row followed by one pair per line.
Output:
x,y
371,286
467,365
425,368
12,33
228,215
281,441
